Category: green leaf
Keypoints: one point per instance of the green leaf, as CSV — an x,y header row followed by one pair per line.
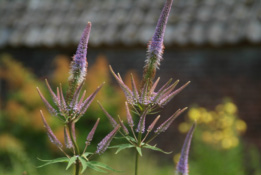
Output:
x,y
86,154
84,164
102,165
155,149
71,161
58,160
139,150
95,167
124,146
126,137
130,138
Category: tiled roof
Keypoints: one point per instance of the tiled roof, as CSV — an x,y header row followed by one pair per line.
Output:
x,y
129,22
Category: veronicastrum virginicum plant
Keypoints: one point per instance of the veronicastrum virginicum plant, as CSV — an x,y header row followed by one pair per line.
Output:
x,y
146,100
70,109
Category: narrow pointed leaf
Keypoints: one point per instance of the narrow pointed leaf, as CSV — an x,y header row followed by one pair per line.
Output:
x,y
139,150
86,154
155,149
71,161
95,167
102,165
122,147
58,160
84,163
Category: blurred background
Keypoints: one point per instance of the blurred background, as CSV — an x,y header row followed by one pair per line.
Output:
x,y
215,44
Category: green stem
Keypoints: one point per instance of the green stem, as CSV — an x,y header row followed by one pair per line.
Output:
x,y
77,151
136,162
137,154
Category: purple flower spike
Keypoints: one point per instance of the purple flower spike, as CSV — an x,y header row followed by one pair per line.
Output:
x,y
91,134
67,139
165,125
49,107
84,105
103,145
141,124
55,98
112,121
79,64
182,166
125,130
129,117
50,133
155,46
126,90
150,128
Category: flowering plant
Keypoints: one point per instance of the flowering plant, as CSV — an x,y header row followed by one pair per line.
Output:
x,y
142,101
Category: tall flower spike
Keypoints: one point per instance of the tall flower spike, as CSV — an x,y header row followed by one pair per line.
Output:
x,y
91,134
112,121
125,130
50,133
67,139
165,125
155,46
141,124
49,107
182,166
79,64
129,117
103,145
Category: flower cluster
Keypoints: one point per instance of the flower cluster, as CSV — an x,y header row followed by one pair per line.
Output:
x,y
147,95
71,108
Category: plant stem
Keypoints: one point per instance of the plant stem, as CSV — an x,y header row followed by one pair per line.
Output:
x,y
137,154
77,164
136,162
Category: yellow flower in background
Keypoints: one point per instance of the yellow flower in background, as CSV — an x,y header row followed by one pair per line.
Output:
x,y
220,128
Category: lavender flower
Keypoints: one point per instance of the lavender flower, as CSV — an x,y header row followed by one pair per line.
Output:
x,y
149,97
91,134
141,124
103,145
67,139
112,121
165,125
182,166
150,128
79,64
48,106
125,130
129,117
50,133
155,46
